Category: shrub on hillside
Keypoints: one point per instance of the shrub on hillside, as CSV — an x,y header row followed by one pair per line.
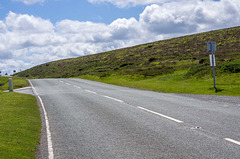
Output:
x,y
198,71
232,67
152,59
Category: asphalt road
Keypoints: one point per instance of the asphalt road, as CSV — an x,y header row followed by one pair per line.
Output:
x,y
91,120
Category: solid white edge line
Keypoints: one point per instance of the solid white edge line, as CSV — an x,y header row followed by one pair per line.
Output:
x,y
90,91
167,117
49,138
23,88
77,87
114,99
233,141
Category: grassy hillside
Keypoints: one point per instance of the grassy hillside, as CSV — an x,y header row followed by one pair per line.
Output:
x,y
186,56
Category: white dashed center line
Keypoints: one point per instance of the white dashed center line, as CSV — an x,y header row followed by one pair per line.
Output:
x,y
233,141
167,117
77,87
50,148
90,91
114,99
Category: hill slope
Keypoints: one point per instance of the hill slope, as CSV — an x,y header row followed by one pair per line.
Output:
x,y
149,59
187,55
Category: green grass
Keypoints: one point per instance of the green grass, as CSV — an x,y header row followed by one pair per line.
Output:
x,y
177,83
20,122
17,83
20,126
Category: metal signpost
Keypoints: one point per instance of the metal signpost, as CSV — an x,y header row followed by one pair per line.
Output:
x,y
211,46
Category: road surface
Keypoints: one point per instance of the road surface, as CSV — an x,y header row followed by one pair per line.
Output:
x,y
88,119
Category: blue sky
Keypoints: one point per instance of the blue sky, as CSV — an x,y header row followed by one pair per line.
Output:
x,y
33,32
80,10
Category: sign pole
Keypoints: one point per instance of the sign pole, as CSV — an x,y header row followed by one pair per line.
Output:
x,y
211,46
213,63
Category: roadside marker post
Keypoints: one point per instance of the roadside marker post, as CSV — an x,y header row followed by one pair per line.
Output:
x,y
10,85
211,46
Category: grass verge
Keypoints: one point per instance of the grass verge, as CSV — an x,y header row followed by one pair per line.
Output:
x,y
20,125
20,122
17,83
228,84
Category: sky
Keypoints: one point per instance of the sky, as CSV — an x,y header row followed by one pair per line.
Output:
x,y
33,32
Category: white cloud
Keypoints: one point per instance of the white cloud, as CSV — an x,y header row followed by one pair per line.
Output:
x,y
193,16
3,28
76,31
27,23
124,29
28,2
26,40
127,3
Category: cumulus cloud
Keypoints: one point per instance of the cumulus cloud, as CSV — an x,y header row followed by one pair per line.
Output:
x,y
28,2
127,3
193,16
28,23
26,40
124,29
3,28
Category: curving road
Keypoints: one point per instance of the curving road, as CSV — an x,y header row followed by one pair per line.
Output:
x,y
95,120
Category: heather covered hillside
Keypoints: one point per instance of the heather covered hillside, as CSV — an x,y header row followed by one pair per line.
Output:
x,y
185,56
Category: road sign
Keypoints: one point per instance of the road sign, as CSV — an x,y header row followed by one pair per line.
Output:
x,y
211,46
212,60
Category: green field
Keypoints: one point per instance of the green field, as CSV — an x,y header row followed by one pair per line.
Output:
x,y
171,65
176,83
20,122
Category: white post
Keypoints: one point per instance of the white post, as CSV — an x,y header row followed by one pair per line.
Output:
x,y
10,85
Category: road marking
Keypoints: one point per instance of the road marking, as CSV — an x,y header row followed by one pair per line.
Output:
x,y
233,141
90,91
61,81
118,100
167,117
49,137
77,87
34,90
68,84
23,88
